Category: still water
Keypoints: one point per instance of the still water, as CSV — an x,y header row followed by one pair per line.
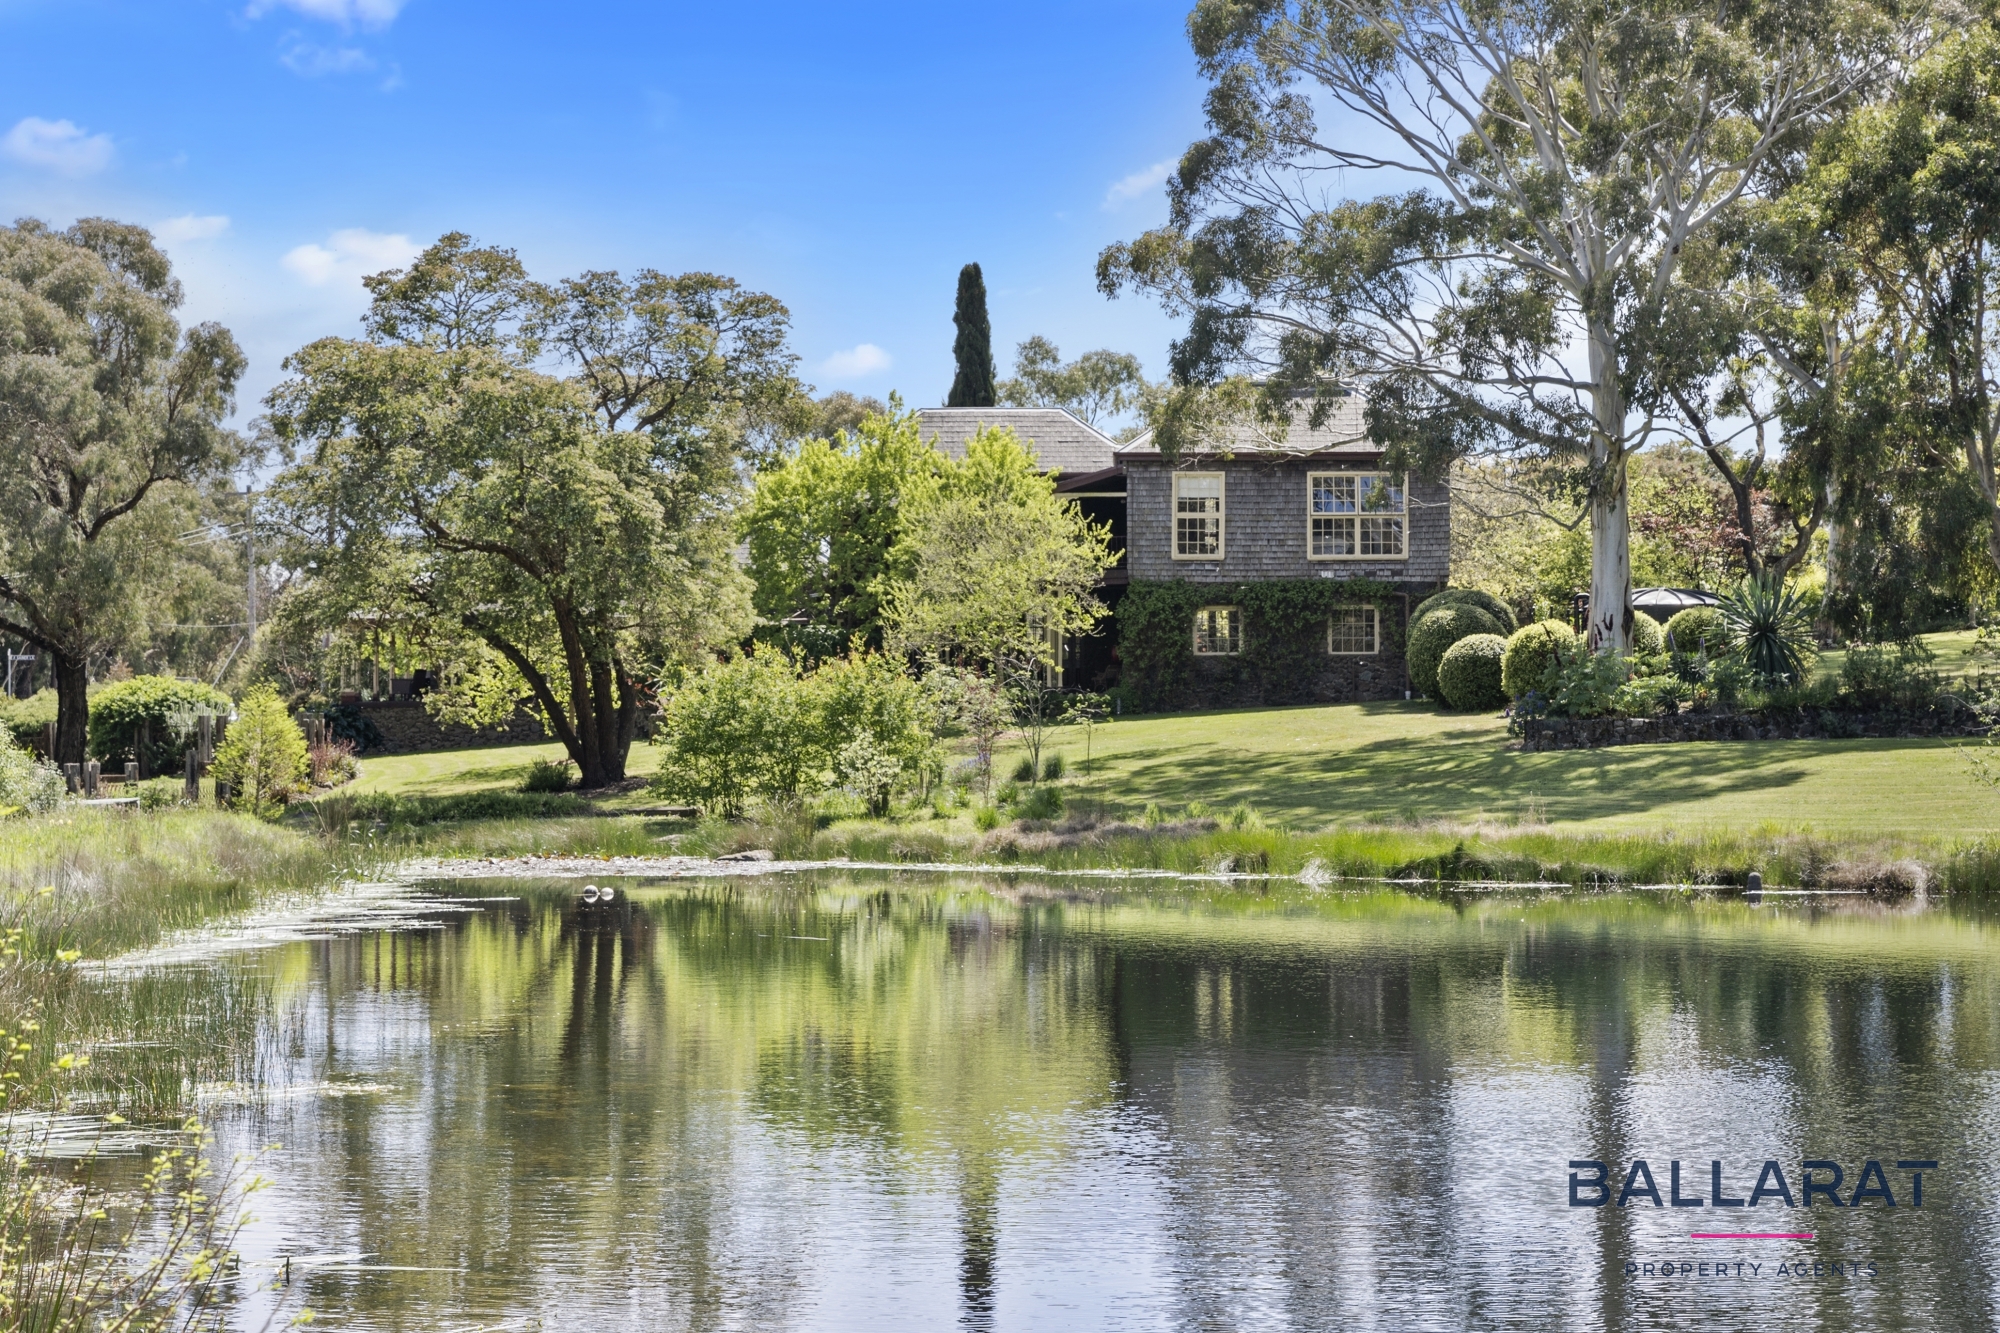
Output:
x,y
852,1102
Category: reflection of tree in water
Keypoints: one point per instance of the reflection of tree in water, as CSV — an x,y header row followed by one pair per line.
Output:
x,y
689,1098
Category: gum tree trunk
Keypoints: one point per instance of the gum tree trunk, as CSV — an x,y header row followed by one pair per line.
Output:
x,y
1610,628
72,707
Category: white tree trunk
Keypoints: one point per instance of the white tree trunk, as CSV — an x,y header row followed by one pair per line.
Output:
x,y
1610,628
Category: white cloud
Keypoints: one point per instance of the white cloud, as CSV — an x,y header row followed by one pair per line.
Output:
x,y
347,13
313,60
866,359
1138,183
58,145
191,228
348,255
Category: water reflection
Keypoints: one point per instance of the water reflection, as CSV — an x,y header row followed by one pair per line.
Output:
x,y
842,1104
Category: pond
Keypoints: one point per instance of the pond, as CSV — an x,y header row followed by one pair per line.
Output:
x,y
855,1101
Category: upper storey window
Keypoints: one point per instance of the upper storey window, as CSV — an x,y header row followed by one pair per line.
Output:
x,y
1197,516
1355,516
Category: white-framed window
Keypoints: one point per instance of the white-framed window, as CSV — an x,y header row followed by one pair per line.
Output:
x,y
1197,515
1353,631
1355,516
1218,631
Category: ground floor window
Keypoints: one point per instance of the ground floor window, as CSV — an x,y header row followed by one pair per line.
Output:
x,y
1218,631
1352,631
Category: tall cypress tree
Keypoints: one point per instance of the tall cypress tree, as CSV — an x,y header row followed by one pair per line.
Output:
x,y
972,386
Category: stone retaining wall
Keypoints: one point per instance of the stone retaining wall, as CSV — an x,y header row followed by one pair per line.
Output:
x,y
406,726
1550,733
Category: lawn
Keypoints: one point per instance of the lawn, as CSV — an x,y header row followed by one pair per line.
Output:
x,y
1305,768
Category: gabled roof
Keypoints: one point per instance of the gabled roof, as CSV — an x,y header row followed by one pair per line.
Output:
x,y
1345,432
1061,441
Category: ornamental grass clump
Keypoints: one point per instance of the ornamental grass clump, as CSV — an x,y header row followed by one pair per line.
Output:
x,y
1469,675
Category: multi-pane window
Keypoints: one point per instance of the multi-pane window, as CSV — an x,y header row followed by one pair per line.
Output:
x,y
1355,516
1352,631
1218,631
1197,515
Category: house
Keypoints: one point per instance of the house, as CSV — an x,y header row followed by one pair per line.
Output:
x,y
1276,564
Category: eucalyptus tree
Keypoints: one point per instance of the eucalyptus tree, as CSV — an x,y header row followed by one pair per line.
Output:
x,y
559,535
1551,160
1095,387
1909,195
111,436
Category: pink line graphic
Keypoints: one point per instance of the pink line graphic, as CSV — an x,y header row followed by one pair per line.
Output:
x,y
1750,1235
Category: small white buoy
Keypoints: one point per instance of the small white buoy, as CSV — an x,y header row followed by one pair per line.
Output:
x,y
606,894
590,893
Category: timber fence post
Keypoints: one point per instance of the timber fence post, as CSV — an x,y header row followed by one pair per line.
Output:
x,y
191,792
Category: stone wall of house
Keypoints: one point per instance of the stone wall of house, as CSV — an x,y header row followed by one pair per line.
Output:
x,y
1772,725
406,726
1265,523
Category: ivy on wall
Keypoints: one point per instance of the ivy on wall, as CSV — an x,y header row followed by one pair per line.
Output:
x,y
1284,636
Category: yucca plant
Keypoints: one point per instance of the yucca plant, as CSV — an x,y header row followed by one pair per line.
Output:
x,y
1771,627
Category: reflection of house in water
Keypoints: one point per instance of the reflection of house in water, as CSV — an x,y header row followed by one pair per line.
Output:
x,y
1258,506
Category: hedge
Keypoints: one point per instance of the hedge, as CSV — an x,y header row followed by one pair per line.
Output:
x,y
1156,631
1530,652
1502,614
1434,632
1469,675
119,709
1696,625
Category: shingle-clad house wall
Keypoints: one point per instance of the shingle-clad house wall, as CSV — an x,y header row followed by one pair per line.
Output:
x,y
1286,598
1264,524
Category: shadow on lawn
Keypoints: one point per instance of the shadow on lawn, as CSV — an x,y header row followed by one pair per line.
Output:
x,y
1444,776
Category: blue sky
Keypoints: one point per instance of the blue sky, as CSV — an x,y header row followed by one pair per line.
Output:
x,y
846,158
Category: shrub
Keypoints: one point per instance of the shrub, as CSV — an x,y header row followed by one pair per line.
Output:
x,y
264,755
1043,802
1025,770
1900,675
1469,675
163,708
329,763
1053,768
28,719
1647,636
545,775
345,722
1531,654
1588,684
1771,626
1695,629
25,783
1648,696
1502,614
986,819
1433,634
161,793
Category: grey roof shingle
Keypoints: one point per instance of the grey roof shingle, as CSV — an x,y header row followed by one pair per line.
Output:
x,y
1345,432
1061,441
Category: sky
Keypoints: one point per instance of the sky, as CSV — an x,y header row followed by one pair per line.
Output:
x,y
846,158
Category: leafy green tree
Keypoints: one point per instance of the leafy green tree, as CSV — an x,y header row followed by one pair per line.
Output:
x,y
843,411
828,530
1005,570
1095,387
1517,298
972,349
1910,192
560,537
263,754
111,435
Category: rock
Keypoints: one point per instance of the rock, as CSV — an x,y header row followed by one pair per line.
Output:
x,y
757,854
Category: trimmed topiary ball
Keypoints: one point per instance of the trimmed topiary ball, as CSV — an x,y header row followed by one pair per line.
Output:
x,y
1469,675
1485,601
1647,636
1530,652
1435,632
1697,625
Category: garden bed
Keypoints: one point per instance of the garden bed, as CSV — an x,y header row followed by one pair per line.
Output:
x,y
1769,724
